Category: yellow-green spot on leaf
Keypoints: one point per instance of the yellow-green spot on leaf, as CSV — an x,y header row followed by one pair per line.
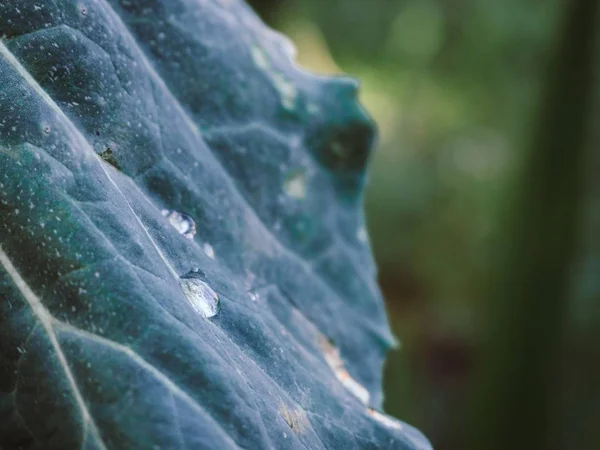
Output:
x,y
295,418
286,89
259,57
295,184
313,109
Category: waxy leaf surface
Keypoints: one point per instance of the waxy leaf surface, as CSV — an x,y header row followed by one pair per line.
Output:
x,y
183,255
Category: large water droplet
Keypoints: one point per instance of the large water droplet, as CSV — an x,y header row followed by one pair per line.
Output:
x,y
295,184
202,297
181,222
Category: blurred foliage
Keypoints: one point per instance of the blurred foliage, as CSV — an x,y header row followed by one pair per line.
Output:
x,y
517,384
454,86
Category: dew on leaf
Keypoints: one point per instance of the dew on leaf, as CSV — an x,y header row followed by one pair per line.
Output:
x,y
202,297
181,222
295,184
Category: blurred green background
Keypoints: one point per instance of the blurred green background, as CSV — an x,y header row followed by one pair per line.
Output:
x,y
459,89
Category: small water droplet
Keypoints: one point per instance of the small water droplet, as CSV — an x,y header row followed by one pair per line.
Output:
x,y
202,297
295,184
209,250
181,222
47,129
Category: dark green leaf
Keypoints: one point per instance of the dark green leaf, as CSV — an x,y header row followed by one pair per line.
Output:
x,y
183,254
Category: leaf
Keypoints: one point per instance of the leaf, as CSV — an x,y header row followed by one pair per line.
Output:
x,y
183,261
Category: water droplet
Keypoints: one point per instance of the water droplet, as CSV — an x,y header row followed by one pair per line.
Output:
x,y
181,222
334,361
202,297
295,184
384,419
210,252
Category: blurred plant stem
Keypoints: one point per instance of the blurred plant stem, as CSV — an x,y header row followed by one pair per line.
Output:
x,y
513,388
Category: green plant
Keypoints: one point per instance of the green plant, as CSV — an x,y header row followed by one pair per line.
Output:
x,y
183,259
